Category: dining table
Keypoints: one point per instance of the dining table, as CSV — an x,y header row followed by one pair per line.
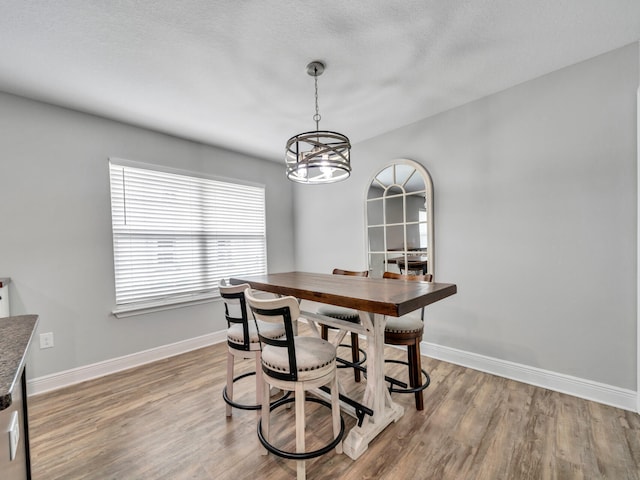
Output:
x,y
375,299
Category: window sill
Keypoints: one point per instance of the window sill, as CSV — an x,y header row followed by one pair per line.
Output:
x,y
132,309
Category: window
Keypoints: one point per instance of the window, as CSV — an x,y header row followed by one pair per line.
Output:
x,y
176,235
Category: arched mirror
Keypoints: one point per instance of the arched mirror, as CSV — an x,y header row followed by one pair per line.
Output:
x,y
400,219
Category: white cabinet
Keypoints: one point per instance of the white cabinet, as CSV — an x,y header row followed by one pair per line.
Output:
x,y
14,467
5,311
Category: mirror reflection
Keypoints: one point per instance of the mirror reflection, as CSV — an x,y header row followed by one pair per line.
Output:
x,y
400,219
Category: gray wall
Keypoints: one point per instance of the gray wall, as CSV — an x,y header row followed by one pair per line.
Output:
x,y
55,233
535,198
535,219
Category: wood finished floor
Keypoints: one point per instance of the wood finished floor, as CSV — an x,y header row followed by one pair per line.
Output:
x,y
166,420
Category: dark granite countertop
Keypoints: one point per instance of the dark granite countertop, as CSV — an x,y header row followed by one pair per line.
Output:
x,y
15,337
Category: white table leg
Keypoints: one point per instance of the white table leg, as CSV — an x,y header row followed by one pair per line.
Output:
x,y
376,396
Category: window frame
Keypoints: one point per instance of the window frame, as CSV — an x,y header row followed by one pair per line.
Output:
x,y
182,299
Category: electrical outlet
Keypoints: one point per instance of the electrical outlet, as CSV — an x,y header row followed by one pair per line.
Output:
x,y
14,435
46,340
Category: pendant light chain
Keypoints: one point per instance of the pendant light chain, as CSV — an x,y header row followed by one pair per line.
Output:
x,y
316,117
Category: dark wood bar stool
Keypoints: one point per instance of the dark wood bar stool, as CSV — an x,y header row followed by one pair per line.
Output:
x,y
349,315
408,331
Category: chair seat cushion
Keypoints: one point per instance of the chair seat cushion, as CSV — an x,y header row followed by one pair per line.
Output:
x,y
314,356
340,313
404,325
235,333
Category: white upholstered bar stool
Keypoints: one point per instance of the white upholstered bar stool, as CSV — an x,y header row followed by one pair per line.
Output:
x,y
298,364
243,342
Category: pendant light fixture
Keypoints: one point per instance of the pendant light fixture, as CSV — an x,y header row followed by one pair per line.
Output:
x,y
319,156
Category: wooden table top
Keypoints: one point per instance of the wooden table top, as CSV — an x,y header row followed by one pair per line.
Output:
x,y
376,295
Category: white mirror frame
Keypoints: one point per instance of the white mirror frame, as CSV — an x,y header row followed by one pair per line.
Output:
x,y
428,182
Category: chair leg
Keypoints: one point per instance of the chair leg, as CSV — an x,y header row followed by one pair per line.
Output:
x,y
324,332
335,411
259,381
266,414
230,359
355,354
411,355
415,372
300,425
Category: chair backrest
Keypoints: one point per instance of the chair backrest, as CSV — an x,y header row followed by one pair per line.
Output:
x,y
235,309
284,311
337,271
419,278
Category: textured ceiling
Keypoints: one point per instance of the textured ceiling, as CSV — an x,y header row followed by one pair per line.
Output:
x,y
232,73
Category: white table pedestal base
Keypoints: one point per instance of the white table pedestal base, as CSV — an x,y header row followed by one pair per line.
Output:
x,y
358,438
376,395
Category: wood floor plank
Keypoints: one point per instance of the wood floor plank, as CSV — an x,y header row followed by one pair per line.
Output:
x,y
167,420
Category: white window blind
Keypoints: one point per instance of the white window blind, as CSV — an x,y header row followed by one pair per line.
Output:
x,y
176,236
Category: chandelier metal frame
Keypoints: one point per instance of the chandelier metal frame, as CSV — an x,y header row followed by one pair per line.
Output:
x,y
319,156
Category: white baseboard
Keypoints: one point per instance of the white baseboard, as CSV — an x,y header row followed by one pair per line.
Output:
x,y
578,387
66,378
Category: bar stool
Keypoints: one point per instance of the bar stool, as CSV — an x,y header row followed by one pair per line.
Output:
x,y
243,342
408,331
298,364
349,315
